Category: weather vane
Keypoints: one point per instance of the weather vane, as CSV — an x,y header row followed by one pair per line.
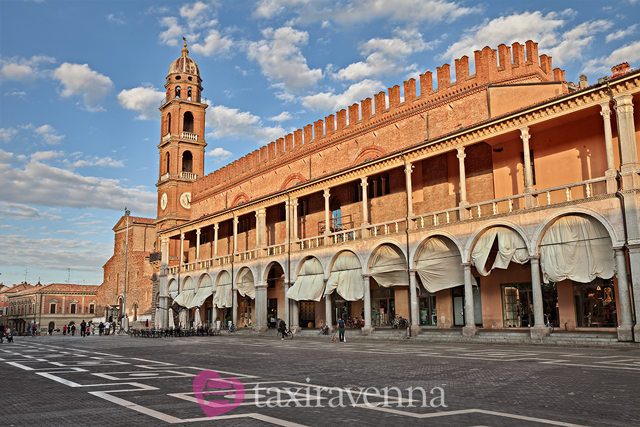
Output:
x,y
185,40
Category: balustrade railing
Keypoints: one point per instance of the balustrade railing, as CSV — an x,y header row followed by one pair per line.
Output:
x,y
275,250
311,242
190,136
188,175
247,255
437,218
390,227
164,177
166,137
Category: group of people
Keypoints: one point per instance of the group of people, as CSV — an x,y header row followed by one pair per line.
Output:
x,y
87,329
6,332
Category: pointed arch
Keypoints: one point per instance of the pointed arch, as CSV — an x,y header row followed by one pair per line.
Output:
x,y
292,180
368,153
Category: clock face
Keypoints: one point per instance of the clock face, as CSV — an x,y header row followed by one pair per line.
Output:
x,y
185,200
163,201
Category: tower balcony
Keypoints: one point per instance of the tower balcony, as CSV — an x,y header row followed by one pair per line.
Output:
x,y
188,175
166,137
190,136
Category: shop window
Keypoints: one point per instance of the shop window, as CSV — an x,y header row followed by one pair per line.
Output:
x,y
187,122
595,304
187,161
517,305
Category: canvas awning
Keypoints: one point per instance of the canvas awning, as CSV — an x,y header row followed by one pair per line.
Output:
x,y
246,284
223,296
389,267
309,285
204,291
577,248
439,265
173,289
346,277
187,294
511,247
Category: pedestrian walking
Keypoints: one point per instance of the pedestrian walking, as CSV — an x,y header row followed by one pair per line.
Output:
x,y
282,328
341,329
83,328
29,330
93,328
107,327
64,330
114,327
100,329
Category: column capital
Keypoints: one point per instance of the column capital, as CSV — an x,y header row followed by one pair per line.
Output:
x,y
461,155
198,231
181,235
216,226
605,111
363,181
524,133
408,168
624,99
326,193
236,220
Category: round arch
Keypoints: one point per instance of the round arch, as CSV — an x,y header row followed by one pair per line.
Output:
x,y
222,275
292,180
185,279
390,267
538,234
172,288
205,279
371,152
333,259
439,233
305,259
466,255
265,270
366,266
240,199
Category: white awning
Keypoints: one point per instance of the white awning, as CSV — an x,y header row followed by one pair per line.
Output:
x,y
576,248
173,289
511,247
346,277
439,265
246,285
389,267
309,285
223,296
187,294
204,291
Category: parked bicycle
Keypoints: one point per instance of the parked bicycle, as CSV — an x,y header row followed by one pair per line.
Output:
x,y
324,330
287,334
399,323
232,328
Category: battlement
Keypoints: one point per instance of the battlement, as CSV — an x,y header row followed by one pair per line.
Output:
x,y
492,66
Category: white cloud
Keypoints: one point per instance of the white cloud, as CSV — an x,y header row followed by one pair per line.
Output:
x,y
213,43
219,153
39,184
46,155
143,99
230,122
114,19
240,70
171,35
95,161
355,93
22,68
282,117
269,8
627,53
6,134
49,134
508,29
19,94
385,56
81,80
576,39
281,60
194,12
620,34
22,211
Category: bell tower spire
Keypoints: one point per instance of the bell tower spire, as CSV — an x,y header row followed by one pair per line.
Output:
x,y
182,144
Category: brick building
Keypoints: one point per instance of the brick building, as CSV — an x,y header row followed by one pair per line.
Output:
x,y
138,236
492,201
5,292
51,306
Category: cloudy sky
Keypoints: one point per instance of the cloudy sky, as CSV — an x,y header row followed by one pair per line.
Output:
x,y
81,82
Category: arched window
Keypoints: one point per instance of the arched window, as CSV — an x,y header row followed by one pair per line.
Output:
x,y
187,125
169,123
187,161
177,91
189,94
167,163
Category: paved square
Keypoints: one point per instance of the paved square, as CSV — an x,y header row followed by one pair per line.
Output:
x,y
123,381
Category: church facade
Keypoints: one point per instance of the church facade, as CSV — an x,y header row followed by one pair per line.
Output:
x,y
506,199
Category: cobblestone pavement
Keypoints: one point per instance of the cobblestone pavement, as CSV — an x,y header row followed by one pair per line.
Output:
x,y
124,381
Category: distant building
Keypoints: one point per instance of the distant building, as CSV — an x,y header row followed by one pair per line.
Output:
x,y
5,292
51,306
140,273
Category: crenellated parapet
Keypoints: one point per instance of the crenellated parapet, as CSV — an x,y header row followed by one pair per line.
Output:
x,y
501,66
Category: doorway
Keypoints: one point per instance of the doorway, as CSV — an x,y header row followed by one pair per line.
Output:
x,y
517,305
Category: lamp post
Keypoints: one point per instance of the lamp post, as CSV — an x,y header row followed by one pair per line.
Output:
x,y
125,319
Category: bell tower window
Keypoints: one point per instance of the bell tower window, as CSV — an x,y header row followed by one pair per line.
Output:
x,y
187,125
169,123
167,162
187,161
189,94
178,92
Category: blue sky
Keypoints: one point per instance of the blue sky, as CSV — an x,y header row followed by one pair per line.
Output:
x,y
81,82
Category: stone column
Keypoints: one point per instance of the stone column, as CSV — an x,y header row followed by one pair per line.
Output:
x,y
287,317
328,308
257,214
624,303
408,168
287,216
539,330
367,305
634,261
198,231
216,226
469,329
260,322
630,167
413,298
235,234
365,204
163,286
327,215
164,249
261,227
464,214
611,173
295,316
234,309
528,173
294,211
181,256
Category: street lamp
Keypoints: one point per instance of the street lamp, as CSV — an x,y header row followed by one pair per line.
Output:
x,y
125,319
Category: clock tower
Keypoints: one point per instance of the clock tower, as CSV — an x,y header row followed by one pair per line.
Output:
x,y
182,143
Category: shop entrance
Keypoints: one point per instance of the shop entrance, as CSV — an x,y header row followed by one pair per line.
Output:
x,y
307,314
427,306
272,312
383,306
245,315
517,305
595,304
550,303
